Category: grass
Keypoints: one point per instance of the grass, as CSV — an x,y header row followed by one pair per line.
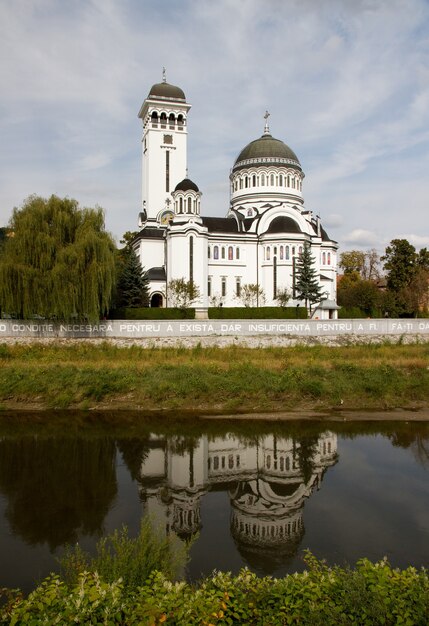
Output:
x,y
83,375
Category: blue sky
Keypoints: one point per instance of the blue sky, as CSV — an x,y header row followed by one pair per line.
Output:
x,y
346,83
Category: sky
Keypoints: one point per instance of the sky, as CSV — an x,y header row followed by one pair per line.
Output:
x,y
346,83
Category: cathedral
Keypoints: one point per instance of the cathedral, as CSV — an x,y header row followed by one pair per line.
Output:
x,y
257,242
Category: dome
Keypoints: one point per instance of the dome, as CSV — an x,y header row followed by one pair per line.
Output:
x,y
266,151
186,185
283,224
165,91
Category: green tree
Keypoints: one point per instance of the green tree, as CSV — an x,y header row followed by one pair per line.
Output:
x,y
60,261
400,260
363,294
132,287
182,293
307,286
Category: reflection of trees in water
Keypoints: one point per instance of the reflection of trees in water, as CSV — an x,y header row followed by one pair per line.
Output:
x,y
417,440
134,451
57,488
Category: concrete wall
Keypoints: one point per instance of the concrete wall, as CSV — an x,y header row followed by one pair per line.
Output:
x,y
206,328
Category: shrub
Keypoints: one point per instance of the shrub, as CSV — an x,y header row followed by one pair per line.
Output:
x,y
152,314
119,556
265,312
369,595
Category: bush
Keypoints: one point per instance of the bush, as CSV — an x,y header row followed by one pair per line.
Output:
x,y
264,312
369,595
119,556
154,313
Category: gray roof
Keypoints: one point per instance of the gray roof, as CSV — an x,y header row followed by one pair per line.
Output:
x,y
221,224
151,233
156,273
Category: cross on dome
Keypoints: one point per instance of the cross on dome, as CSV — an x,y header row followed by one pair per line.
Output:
x,y
266,128
164,76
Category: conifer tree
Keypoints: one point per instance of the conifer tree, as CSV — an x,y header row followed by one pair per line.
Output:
x,y
307,286
132,288
59,261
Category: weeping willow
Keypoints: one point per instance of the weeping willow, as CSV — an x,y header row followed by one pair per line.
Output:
x,y
58,263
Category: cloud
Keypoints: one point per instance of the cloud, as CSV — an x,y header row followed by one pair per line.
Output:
x,y
362,238
346,83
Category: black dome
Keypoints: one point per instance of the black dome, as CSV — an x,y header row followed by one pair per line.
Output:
x,y
167,92
186,185
283,224
266,150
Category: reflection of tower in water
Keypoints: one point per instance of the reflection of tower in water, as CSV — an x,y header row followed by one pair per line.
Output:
x,y
268,482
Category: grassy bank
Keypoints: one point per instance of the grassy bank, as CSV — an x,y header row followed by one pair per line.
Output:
x,y
86,376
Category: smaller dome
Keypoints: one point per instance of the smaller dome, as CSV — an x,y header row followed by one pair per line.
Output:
x,y
165,91
186,185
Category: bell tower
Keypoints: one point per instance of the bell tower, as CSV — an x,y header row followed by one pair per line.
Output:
x,y
164,150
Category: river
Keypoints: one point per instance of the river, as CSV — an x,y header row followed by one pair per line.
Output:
x,y
255,494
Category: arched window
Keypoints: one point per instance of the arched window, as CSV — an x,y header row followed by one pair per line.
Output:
x,y
262,180
268,462
208,252
180,120
180,205
329,258
281,253
154,118
275,250
281,180
293,250
230,253
163,118
223,252
287,464
241,183
300,250
293,183
272,180
246,181
216,252
237,253
324,258
268,253
254,180
171,119
287,253
288,180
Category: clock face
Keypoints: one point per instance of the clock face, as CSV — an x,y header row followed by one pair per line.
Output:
x,y
166,217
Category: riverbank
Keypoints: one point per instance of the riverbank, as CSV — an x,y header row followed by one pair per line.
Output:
x,y
213,380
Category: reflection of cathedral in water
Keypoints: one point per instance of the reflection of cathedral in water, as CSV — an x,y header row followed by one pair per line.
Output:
x,y
267,480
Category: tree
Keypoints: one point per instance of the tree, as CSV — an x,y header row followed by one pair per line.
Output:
x,y
60,261
363,265
132,287
363,294
307,286
182,293
283,297
252,295
400,262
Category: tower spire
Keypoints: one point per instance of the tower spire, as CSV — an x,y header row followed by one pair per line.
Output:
x,y
266,127
164,77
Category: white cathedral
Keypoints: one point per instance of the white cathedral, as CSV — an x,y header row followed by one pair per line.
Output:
x,y
259,240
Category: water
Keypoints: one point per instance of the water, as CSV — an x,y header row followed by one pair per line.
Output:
x,y
256,494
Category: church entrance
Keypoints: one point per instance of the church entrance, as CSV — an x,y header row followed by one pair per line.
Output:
x,y
156,300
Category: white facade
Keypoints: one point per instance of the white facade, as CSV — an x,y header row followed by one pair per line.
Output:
x,y
259,240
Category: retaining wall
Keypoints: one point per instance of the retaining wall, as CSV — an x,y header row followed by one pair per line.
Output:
x,y
131,329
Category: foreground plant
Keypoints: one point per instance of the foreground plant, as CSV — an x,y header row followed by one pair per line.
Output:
x,y
371,594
